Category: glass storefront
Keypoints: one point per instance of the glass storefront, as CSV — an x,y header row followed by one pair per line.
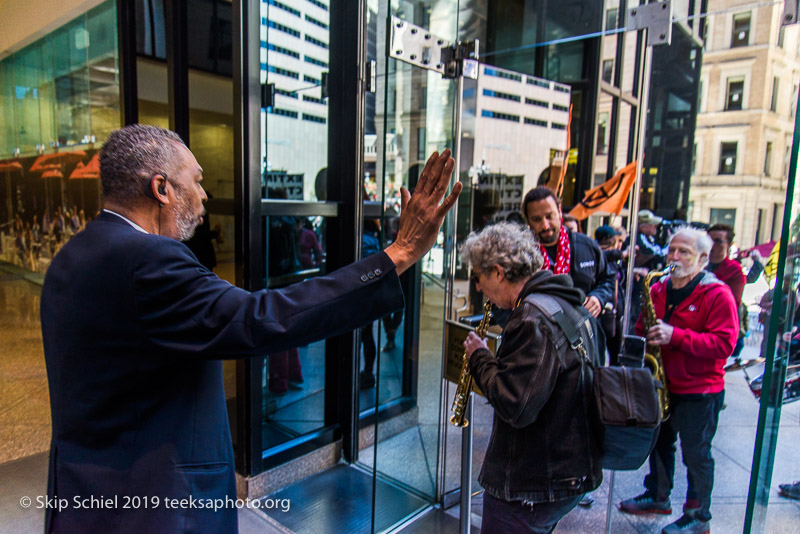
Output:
x,y
59,100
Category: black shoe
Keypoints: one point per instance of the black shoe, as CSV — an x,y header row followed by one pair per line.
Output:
x,y
367,380
586,502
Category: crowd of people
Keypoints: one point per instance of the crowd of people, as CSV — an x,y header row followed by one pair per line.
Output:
x,y
26,242
128,301
532,380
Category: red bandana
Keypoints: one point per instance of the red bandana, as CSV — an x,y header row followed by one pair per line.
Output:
x,y
562,256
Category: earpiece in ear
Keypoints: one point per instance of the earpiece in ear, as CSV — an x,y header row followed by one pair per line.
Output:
x,y
162,189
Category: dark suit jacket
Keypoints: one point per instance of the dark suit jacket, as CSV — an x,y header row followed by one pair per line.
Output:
x,y
134,329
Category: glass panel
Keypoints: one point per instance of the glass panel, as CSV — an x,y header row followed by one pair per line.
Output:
x,y
412,118
294,54
60,99
693,171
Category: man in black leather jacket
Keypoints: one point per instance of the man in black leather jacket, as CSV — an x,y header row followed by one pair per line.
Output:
x,y
543,455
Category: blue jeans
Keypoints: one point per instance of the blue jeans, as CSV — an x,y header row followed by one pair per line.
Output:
x,y
694,418
517,518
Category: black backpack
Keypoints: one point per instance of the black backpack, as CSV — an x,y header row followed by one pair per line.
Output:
x,y
624,399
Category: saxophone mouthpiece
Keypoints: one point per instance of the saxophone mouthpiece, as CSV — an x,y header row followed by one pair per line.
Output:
x,y
669,268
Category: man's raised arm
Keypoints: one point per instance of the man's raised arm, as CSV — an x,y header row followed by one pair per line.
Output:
x,y
422,214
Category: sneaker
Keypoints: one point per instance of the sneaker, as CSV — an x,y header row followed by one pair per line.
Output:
x,y
688,524
645,504
691,507
791,491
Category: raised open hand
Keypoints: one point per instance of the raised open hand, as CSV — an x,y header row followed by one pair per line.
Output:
x,y
423,212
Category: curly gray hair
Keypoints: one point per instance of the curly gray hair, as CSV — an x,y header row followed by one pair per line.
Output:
x,y
509,245
131,156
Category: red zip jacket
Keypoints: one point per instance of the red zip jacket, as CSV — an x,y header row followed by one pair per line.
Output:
x,y
730,272
706,328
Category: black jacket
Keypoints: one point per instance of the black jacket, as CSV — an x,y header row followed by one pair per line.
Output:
x,y
543,447
588,268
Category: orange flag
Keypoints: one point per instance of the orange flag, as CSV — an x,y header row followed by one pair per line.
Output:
x,y
609,196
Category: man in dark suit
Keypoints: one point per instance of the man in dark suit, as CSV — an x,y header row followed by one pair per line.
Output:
x,y
134,328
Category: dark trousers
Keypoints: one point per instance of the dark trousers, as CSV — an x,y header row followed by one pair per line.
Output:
x,y
284,367
370,350
517,517
694,418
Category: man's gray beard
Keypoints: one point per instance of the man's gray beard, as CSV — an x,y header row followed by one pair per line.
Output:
x,y
681,272
186,227
185,222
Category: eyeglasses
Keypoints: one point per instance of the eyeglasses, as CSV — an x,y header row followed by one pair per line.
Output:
x,y
475,278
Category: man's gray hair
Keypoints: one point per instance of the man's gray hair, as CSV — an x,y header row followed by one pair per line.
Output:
x,y
509,245
131,156
699,238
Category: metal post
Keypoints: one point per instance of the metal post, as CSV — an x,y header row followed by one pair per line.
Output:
x,y
644,95
465,513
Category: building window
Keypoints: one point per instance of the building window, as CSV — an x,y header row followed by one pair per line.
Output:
x,y
319,4
727,158
316,22
694,159
741,30
608,70
278,70
282,112
289,94
281,5
488,71
315,61
311,79
733,101
723,215
280,27
421,143
315,100
536,122
498,94
768,159
314,118
280,49
611,18
499,115
602,134
530,80
773,103
557,126
317,42
534,102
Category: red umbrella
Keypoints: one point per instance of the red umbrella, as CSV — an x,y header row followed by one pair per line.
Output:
x,y
89,171
52,171
10,166
58,158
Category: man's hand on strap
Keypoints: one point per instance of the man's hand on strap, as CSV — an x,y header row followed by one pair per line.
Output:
x,y
422,214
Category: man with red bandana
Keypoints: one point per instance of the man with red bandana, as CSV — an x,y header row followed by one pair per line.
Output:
x,y
566,252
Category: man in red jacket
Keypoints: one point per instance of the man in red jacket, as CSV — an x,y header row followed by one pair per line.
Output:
x,y
719,262
697,328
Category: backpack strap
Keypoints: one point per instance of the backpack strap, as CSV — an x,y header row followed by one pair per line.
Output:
x,y
551,307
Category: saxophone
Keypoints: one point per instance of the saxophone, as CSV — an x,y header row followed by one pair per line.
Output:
x,y
652,357
459,407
